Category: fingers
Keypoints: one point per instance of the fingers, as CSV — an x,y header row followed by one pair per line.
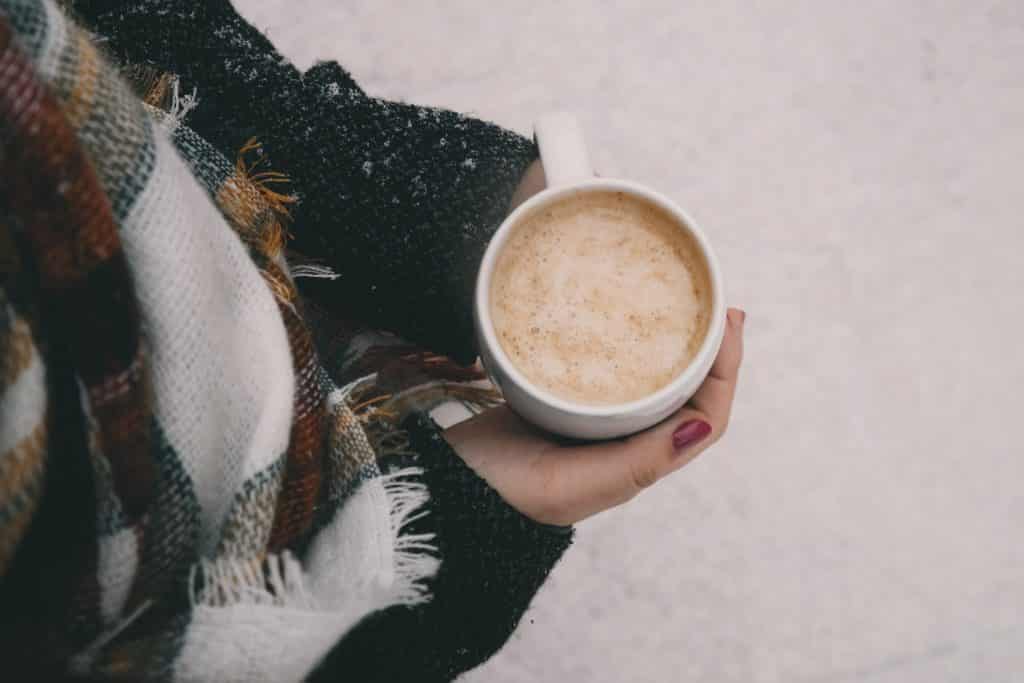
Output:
x,y
727,363
611,473
714,397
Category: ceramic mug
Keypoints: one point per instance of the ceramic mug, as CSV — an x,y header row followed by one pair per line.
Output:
x,y
567,169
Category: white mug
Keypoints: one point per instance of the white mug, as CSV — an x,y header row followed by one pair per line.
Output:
x,y
567,169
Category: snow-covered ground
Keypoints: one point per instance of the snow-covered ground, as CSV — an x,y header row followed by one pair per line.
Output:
x,y
858,166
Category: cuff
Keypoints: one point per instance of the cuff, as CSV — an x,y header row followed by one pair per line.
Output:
x,y
493,561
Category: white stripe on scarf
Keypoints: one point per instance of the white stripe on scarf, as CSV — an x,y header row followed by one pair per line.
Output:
x,y
221,365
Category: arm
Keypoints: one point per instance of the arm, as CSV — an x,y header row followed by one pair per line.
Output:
x,y
500,489
399,200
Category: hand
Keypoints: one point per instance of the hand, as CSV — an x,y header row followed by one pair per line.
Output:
x,y
555,483
532,182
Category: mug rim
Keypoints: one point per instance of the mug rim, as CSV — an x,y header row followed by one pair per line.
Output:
x,y
679,383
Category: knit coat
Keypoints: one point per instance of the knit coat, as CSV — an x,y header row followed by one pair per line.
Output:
x,y
115,546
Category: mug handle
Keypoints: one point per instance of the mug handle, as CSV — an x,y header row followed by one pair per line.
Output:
x,y
563,152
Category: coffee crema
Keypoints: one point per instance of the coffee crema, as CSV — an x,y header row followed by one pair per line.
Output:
x,y
600,298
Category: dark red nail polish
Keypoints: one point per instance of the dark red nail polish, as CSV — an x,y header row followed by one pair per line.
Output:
x,y
689,433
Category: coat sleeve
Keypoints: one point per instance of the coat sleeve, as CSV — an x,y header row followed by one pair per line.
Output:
x,y
493,561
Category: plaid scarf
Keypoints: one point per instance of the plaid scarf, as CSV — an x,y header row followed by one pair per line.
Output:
x,y
167,430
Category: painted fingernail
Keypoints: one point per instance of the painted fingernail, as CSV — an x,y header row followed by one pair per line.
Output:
x,y
689,433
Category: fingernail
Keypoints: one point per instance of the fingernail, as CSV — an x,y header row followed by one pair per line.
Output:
x,y
737,317
689,433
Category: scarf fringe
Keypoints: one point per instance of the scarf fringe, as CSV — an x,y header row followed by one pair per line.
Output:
x,y
313,271
181,105
281,581
415,556
277,581
262,180
428,396
81,663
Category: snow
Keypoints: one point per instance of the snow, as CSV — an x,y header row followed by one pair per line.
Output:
x,y
856,166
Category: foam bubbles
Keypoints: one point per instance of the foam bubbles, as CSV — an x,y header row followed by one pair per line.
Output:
x,y
600,299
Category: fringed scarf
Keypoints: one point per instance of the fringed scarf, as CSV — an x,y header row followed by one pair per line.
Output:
x,y
236,521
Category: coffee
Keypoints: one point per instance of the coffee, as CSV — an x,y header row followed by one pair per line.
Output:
x,y
601,298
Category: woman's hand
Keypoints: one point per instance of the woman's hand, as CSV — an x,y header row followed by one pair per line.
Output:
x,y
562,484
532,182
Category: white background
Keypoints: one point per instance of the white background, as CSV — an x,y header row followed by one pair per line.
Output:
x,y
858,166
